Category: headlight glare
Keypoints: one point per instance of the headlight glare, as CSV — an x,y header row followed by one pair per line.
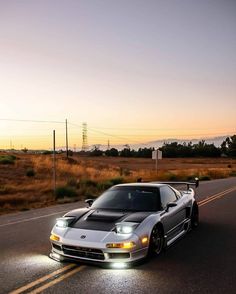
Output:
x,y
61,223
64,222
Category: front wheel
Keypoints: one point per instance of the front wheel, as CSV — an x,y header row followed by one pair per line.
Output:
x,y
156,243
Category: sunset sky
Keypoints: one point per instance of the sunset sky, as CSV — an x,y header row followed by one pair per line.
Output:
x,y
135,71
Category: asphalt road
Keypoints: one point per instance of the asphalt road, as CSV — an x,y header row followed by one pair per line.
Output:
x,y
201,262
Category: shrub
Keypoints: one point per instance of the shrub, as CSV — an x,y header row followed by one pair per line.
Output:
x,y
13,200
91,192
232,173
205,178
116,181
46,152
124,171
3,190
65,191
172,177
7,159
88,182
104,185
72,182
30,172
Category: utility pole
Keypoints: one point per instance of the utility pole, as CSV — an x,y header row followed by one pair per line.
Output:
x,y
84,137
67,153
54,162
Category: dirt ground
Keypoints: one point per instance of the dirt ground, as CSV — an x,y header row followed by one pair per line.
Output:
x,y
21,191
164,164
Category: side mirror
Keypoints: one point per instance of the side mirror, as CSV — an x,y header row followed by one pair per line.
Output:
x,y
89,201
170,204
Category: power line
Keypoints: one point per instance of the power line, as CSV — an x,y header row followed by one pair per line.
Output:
x,y
111,135
75,125
104,133
36,121
153,129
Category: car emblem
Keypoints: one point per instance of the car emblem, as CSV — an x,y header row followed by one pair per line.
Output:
x,y
83,237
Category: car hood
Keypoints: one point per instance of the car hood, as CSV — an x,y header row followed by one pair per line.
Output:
x,y
105,220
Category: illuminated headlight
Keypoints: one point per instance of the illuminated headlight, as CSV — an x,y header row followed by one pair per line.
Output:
x,y
64,222
126,227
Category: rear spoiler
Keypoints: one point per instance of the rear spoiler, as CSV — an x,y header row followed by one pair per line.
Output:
x,y
195,183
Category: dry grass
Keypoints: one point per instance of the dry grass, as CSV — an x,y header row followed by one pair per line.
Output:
x,y
89,176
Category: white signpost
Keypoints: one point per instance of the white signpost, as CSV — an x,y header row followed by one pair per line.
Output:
x,y
156,154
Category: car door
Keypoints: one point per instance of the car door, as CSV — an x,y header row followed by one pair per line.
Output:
x,y
174,217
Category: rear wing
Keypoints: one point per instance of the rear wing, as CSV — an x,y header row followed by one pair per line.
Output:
x,y
188,184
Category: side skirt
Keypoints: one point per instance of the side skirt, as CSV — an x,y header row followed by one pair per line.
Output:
x,y
184,230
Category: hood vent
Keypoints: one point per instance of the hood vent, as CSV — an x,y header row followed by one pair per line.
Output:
x,y
105,216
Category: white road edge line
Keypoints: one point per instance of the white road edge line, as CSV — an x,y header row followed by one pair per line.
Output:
x,y
32,218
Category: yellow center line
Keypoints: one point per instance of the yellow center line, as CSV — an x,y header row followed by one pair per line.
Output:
x,y
55,281
216,196
40,280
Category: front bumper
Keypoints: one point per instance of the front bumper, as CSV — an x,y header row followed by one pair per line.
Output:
x,y
62,252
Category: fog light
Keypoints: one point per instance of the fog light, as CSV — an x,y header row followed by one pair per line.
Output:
x,y
119,265
54,237
55,256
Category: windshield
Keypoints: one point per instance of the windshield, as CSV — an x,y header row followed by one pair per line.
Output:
x,y
129,198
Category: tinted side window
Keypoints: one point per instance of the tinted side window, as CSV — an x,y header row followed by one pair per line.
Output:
x,y
167,195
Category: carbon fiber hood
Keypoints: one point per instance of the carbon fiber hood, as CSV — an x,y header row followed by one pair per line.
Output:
x,y
105,220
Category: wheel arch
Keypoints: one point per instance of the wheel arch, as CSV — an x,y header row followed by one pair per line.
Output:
x,y
160,226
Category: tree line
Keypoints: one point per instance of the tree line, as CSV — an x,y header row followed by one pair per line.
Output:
x,y
175,149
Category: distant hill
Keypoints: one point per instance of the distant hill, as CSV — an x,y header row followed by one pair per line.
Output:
x,y
158,143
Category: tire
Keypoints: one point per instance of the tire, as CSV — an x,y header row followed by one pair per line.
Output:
x,y
156,243
195,216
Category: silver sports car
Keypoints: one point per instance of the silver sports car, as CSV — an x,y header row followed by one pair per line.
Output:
x,y
126,223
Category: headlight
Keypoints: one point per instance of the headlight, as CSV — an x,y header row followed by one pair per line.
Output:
x,y
126,227
64,222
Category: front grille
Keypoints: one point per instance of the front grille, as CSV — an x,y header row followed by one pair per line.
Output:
x,y
83,252
119,255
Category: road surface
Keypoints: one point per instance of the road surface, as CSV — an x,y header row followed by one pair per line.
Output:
x,y
204,261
